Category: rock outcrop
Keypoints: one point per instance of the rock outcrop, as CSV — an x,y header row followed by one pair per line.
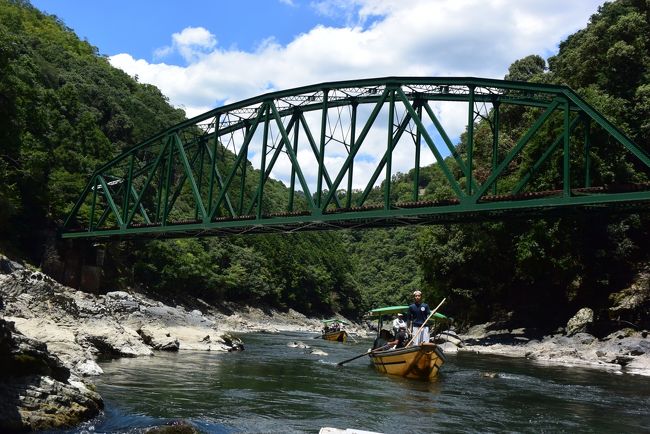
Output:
x,y
37,391
626,350
580,322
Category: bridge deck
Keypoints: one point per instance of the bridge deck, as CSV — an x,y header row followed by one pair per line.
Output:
x,y
426,212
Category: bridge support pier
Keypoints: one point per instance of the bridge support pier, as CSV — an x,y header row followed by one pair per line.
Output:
x,y
75,263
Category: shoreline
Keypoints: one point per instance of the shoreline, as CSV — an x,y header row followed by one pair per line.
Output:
x,y
624,352
67,330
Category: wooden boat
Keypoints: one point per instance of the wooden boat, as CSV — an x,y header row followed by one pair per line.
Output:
x,y
420,362
339,336
413,361
333,330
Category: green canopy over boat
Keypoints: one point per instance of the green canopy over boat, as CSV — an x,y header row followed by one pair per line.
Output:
x,y
392,310
329,321
388,310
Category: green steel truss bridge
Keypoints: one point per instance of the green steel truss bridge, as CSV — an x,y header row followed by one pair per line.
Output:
x,y
215,174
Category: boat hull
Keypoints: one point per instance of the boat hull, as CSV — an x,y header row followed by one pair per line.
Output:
x,y
420,362
340,336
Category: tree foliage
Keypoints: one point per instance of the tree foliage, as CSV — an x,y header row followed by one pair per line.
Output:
x,y
64,110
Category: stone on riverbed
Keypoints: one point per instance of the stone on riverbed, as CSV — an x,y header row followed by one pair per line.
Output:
x,y
298,344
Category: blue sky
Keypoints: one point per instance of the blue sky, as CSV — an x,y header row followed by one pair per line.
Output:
x,y
203,54
139,27
339,39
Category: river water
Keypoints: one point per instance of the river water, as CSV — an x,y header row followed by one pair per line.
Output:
x,y
273,388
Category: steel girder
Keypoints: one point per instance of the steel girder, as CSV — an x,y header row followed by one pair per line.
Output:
x,y
211,175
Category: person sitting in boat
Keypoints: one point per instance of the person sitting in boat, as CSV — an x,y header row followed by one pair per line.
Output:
x,y
382,339
401,339
398,322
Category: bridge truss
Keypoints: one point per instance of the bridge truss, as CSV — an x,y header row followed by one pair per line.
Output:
x,y
217,174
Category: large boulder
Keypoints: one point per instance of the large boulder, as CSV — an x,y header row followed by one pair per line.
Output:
x,y
580,322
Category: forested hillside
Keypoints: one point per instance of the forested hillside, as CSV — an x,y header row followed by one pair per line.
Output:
x,y
543,271
64,109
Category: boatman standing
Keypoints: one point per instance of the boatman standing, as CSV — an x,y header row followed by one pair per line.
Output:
x,y
418,314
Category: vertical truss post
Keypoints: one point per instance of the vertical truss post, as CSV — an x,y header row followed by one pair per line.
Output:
x,y
168,179
161,178
241,159
138,200
380,166
452,149
265,140
127,191
217,176
137,205
314,148
357,145
111,202
213,161
93,205
293,157
542,159
292,187
495,141
353,131
566,175
182,156
321,155
514,151
470,140
242,185
587,138
429,141
389,149
203,144
418,143
640,153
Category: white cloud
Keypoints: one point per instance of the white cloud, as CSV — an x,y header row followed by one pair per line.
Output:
x,y
385,38
191,44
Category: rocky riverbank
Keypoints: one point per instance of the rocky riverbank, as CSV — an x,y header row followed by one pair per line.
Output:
x,y
624,351
614,339
52,335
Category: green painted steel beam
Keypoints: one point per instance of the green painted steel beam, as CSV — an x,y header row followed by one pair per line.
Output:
x,y
149,179
453,213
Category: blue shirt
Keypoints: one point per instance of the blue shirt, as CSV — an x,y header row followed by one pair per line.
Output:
x,y
418,313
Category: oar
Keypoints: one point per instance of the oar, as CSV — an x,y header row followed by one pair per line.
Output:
x,y
356,357
424,323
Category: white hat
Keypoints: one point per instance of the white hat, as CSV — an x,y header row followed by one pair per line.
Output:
x,y
417,292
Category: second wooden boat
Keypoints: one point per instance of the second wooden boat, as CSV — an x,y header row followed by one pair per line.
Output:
x,y
338,336
333,330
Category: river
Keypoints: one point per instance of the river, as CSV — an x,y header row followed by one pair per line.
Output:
x,y
273,388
